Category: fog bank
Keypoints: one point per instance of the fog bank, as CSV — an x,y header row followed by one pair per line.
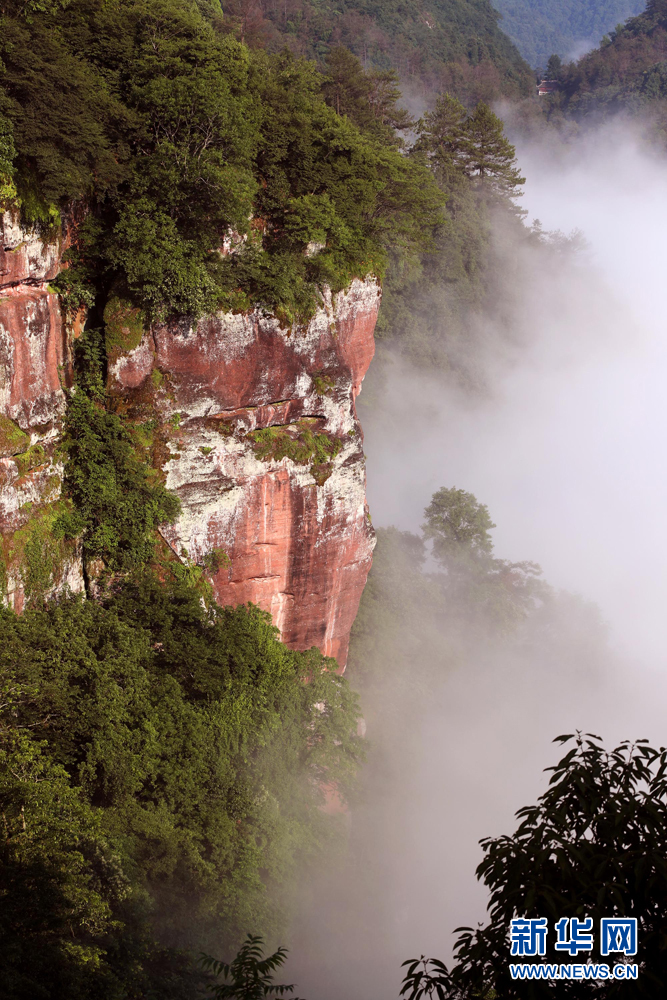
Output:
x,y
566,449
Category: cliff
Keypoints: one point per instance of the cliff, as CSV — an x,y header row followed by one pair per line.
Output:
x,y
257,435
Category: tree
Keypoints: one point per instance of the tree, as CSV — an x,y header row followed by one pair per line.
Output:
x,y
250,976
594,845
473,146
442,137
490,156
459,526
554,66
368,99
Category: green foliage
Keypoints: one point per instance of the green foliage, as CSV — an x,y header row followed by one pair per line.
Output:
x,y
208,170
433,300
173,798
62,884
458,525
367,99
323,384
300,443
215,560
12,439
123,327
30,459
7,156
445,44
117,500
592,846
250,976
40,553
425,977
297,442
473,145
624,74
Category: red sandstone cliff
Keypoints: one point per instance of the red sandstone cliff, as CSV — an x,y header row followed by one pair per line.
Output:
x,y
264,447
32,405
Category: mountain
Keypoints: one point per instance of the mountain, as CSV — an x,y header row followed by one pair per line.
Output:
x,y
434,45
540,28
627,73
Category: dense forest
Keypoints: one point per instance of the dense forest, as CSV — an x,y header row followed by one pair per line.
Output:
x,y
454,45
164,761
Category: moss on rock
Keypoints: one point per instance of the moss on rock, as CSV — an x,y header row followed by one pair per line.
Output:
x,y
300,443
124,327
13,440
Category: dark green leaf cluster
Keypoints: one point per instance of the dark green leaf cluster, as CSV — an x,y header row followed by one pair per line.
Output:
x,y
117,500
472,146
162,771
250,977
425,977
595,845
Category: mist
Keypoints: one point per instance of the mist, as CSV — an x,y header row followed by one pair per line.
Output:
x,y
565,445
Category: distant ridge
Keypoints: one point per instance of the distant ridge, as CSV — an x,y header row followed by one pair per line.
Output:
x,y
540,28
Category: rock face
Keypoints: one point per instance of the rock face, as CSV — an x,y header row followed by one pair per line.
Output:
x,y
266,457
263,445
32,405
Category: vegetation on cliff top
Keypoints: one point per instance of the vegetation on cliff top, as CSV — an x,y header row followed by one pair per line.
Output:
x,y
165,758
207,169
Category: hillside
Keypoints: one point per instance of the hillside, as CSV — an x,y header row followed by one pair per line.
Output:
x,y
627,73
540,28
437,45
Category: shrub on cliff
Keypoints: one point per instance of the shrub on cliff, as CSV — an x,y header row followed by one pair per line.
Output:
x,y
163,766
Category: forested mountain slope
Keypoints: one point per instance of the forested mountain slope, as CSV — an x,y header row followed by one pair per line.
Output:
x,y
628,72
436,45
540,28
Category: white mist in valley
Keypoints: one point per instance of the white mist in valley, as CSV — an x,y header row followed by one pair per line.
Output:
x,y
567,448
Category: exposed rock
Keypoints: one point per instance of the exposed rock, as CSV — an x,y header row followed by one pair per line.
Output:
x,y
32,400
295,526
259,430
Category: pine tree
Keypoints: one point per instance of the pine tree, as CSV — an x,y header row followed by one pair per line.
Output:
x,y
442,137
370,100
489,154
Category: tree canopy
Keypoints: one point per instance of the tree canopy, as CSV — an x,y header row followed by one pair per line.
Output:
x,y
178,139
162,771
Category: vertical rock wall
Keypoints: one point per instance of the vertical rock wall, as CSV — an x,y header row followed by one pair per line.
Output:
x,y
32,405
262,441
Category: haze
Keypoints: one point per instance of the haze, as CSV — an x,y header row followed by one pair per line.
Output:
x,y
566,448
